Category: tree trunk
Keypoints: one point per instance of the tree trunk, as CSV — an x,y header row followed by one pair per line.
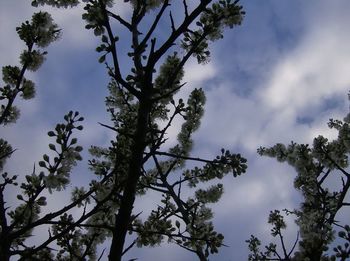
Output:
x,y
4,249
124,214
5,242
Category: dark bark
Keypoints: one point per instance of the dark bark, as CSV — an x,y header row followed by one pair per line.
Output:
x,y
123,217
4,249
5,242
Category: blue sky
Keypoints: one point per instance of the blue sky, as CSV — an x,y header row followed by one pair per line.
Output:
x,y
278,77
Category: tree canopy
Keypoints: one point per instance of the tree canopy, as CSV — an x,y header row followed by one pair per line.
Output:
x,y
100,222
318,168
142,107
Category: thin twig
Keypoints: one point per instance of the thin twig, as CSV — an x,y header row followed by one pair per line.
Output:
x,y
185,7
172,21
185,157
155,23
120,20
295,244
129,247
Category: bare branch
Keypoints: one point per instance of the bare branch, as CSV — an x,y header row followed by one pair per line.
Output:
x,y
117,74
103,251
108,127
172,22
214,162
119,19
155,23
185,7
129,247
295,244
283,245
324,177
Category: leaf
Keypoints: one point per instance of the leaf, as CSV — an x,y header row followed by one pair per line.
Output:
x,y
104,39
78,148
52,147
51,134
46,158
42,164
102,58
41,201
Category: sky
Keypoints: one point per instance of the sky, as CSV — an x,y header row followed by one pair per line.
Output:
x,y
278,77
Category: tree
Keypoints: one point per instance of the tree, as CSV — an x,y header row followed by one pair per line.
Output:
x,y
324,181
142,108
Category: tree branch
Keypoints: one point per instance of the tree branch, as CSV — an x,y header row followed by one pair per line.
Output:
x,y
154,24
29,252
11,99
53,215
214,162
185,7
154,57
117,74
119,19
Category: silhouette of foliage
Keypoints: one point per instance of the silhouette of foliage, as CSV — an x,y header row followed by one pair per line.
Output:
x,y
317,166
142,107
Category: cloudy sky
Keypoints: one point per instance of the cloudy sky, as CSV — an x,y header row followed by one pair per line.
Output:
x,y
278,77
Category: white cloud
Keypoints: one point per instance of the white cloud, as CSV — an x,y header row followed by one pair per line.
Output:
x,y
316,69
10,45
196,74
299,85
